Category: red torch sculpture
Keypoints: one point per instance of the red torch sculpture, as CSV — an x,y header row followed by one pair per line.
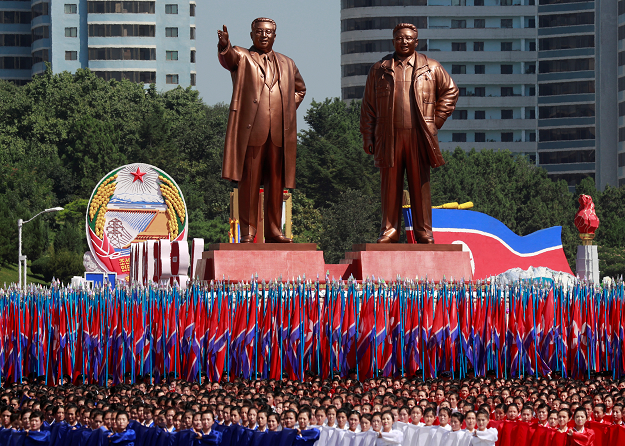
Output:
x,y
586,220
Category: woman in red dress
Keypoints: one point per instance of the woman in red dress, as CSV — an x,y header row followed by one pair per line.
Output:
x,y
580,435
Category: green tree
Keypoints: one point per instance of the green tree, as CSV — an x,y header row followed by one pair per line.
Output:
x,y
353,218
330,158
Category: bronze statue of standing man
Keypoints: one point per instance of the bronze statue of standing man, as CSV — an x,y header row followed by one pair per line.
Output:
x,y
261,138
407,99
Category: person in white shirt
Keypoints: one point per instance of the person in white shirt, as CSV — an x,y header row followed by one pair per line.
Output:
x,y
415,416
484,436
354,422
341,419
388,435
470,420
443,418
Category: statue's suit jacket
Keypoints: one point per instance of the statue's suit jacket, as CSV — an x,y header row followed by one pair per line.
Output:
x,y
247,80
435,93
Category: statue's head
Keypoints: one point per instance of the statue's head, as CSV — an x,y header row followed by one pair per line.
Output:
x,y
263,34
405,39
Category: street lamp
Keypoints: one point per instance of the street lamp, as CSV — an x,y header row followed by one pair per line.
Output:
x,y
22,258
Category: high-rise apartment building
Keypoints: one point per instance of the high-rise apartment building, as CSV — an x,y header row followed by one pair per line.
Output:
x,y
142,41
528,71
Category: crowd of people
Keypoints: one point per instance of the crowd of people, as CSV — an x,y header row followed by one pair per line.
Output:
x,y
483,411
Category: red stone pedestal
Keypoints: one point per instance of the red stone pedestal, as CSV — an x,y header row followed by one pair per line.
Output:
x,y
241,261
387,261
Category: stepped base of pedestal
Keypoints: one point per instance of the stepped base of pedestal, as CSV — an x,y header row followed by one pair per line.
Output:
x,y
387,261
239,262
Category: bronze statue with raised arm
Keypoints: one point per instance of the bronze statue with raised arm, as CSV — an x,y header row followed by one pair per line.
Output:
x,y
261,138
407,99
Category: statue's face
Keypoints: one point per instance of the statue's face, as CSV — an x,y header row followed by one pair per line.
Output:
x,y
405,41
263,36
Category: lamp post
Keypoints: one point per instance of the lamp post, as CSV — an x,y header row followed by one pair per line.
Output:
x,y
22,258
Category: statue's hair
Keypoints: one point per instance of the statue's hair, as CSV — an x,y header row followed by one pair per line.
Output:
x,y
405,25
263,19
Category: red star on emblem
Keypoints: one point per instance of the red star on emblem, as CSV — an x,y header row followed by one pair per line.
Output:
x,y
138,175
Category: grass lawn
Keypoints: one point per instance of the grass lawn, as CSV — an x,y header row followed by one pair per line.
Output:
x,y
8,275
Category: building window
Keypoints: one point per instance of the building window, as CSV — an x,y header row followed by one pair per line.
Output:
x,y
531,23
567,134
480,69
459,137
192,9
21,40
458,46
506,114
41,56
353,92
17,62
71,32
478,46
171,32
16,17
458,69
530,137
567,157
71,55
563,65
567,43
480,114
192,33
143,77
171,55
530,69
39,9
193,79
457,24
561,88
462,91
40,32
507,137
531,91
171,9
480,91
459,114
347,4
569,111
125,30
531,46
478,2
621,159
480,137
506,46
121,7
458,2
530,113
577,18
507,91
71,9
192,59
171,79
363,24
122,53
479,23
368,46
506,69
506,23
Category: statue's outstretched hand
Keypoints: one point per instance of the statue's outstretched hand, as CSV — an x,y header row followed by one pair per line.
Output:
x,y
224,38
368,146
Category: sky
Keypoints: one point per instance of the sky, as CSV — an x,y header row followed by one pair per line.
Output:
x,y
307,31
